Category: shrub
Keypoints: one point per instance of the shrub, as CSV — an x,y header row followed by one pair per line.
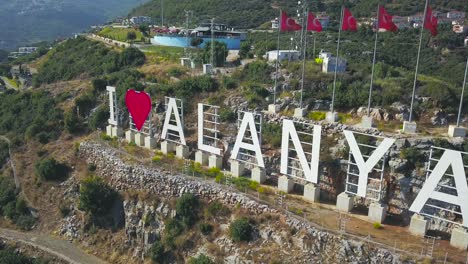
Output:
x,y
377,226
226,115
206,228
201,259
50,170
96,197
156,252
175,72
187,208
316,115
99,117
217,209
241,230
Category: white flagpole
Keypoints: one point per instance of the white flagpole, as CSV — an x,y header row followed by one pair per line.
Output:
x,y
417,63
277,59
373,61
304,61
461,98
336,61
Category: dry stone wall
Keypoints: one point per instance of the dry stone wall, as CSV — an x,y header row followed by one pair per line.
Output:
x,y
315,244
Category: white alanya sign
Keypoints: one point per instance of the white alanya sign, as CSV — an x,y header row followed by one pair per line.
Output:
x,y
112,106
173,109
248,121
365,167
449,158
201,128
310,171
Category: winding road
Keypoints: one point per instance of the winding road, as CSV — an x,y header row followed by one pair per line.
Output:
x,y
60,248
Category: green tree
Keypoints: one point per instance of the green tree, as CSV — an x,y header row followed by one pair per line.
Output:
x,y
241,230
51,170
96,197
73,124
156,252
220,53
187,208
144,29
131,36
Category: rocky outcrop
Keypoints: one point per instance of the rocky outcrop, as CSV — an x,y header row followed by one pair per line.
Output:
x,y
143,221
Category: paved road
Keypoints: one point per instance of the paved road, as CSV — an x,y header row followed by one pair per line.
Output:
x,y
60,248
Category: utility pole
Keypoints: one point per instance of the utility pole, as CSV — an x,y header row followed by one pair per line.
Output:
x,y
162,13
212,42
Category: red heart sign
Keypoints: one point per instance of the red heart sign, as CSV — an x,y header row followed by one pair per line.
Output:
x,y
139,106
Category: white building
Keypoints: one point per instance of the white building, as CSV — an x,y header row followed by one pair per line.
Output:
x,y
283,55
330,62
274,23
27,49
138,20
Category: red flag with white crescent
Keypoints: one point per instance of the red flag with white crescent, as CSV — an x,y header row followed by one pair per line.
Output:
x,y
431,21
349,22
288,24
313,23
386,20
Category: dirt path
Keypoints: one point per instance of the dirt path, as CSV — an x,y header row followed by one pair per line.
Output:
x,y
60,248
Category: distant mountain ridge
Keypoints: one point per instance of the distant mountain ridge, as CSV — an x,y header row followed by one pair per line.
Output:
x,y
29,21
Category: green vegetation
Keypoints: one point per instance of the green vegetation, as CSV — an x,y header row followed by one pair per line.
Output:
x,y
254,13
220,53
12,256
80,57
30,115
121,34
414,157
157,252
206,228
201,259
12,206
271,133
50,170
377,226
316,115
187,208
241,230
96,197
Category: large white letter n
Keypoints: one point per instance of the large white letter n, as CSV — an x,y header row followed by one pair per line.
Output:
x,y
449,158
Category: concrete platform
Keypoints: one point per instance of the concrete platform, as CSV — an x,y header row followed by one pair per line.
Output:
x,y
273,108
215,161
418,225
201,157
113,131
285,184
312,193
258,175
459,238
299,112
367,122
331,117
130,136
409,127
455,131
237,168
150,142
344,202
377,212
167,147
140,139
182,152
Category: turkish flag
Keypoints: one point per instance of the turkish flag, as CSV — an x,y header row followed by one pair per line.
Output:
x,y
349,22
313,24
430,22
386,20
288,24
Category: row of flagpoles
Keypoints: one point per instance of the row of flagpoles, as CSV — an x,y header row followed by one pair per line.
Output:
x,y
349,23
